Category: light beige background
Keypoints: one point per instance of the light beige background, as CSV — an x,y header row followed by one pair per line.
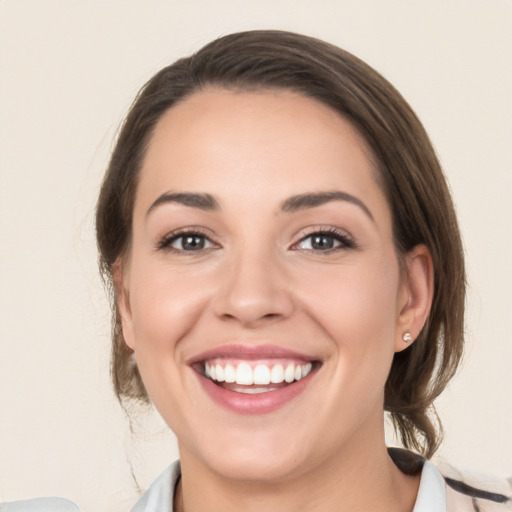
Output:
x,y
69,71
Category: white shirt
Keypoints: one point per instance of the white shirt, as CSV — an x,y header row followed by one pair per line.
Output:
x,y
159,497
40,505
434,495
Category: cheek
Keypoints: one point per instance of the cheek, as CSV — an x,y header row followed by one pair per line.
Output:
x,y
165,304
355,303
357,310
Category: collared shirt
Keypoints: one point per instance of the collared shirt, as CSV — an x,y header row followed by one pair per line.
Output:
x,y
40,505
436,494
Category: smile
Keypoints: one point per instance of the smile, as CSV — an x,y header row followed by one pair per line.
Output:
x,y
254,380
255,376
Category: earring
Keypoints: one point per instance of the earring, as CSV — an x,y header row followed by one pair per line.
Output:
x,y
407,337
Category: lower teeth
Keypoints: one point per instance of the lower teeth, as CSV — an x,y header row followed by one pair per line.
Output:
x,y
252,391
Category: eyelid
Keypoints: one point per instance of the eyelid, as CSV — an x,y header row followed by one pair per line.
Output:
x,y
347,240
164,243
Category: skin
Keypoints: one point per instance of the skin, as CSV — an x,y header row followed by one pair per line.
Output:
x,y
257,282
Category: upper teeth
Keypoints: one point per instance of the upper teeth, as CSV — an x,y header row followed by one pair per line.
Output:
x,y
261,374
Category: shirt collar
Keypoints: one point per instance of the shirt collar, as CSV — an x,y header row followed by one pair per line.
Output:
x,y
159,497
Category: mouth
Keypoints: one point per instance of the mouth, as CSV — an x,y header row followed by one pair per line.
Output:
x,y
254,381
253,377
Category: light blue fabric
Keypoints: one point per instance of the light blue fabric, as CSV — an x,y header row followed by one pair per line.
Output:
x,y
39,505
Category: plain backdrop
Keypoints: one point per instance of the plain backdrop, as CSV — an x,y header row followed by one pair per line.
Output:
x,y
69,71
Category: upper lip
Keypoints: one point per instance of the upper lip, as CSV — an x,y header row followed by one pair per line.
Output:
x,y
250,352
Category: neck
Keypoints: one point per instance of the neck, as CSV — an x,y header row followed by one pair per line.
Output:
x,y
351,480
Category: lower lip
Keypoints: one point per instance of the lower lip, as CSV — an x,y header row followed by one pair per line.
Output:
x,y
259,403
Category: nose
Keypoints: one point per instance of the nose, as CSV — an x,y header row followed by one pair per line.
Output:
x,y
254,292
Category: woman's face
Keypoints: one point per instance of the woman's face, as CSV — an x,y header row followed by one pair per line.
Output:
x,y
262,248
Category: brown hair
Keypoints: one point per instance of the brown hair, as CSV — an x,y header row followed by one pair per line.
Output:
x,y
410,175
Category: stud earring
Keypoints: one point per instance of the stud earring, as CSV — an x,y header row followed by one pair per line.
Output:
x,y
407,337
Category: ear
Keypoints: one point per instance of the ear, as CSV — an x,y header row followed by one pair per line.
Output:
x,y
121,278
415,295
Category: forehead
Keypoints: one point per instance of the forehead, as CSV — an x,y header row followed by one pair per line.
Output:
x,y
249,144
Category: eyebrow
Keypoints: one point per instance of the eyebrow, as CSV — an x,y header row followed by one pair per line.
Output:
x,y
312,200
202,201
293,204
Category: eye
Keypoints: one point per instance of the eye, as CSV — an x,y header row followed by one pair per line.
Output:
x,y
325,241
186,241
190,243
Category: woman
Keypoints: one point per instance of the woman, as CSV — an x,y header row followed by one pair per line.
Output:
x,y
286,265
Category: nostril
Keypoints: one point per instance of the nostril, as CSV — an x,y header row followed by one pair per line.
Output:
x,y
252,299
255,319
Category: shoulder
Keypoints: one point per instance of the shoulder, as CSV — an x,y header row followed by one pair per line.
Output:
x,y
39,505
443,488
158,498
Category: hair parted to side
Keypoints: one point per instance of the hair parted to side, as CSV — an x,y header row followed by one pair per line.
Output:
x,y
410,176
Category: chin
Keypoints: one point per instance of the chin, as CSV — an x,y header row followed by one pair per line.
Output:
x,y
256,466
255,458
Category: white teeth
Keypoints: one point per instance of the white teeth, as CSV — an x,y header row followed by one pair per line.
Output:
x,y
244,374
306,369
219,372
289,373
229,373
261,374
252,390
277,374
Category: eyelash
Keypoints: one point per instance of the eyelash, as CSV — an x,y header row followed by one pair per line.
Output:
x,y
344,239
165,244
